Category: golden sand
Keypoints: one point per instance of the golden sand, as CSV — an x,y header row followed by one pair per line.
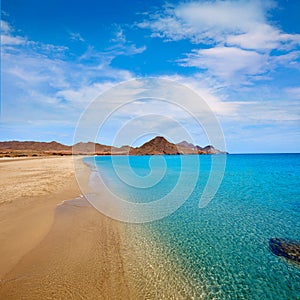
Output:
x,y
74,254
30,189
79,258
71,251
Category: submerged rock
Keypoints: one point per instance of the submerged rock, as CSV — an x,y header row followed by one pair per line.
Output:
x,y
287,248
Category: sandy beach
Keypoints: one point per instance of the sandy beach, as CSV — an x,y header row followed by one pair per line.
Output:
x,y
57,248
41,240
30,191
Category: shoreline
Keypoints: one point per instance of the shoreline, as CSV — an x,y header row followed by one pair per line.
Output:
x,y
59,248
30,191
150,269
77,253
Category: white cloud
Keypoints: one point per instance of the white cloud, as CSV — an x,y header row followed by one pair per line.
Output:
x,y
39,80
119,36
293,92
85,94
209,91
75,36
287,59
155,96
129,49
213,20
261,111
5,27
207,20
226,62
121,46
13,43
6,35
238,35
264,37
46,87
10,40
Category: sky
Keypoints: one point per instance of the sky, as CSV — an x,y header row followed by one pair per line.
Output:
x,y
241,57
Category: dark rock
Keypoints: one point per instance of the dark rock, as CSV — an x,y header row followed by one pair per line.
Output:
x,y
286,248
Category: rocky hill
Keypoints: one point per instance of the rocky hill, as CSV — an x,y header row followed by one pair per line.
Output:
x,y
157,146
34,146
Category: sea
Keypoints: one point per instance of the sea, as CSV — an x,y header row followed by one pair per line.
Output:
x,y
220,249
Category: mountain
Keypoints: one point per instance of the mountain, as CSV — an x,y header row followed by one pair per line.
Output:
x,y
34,146
157,146
91,148
185,144
212,150
189,148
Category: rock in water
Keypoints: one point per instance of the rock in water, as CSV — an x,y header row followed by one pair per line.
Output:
x,y
286,248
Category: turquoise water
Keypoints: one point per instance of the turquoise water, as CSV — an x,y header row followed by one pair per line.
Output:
x,y
223,246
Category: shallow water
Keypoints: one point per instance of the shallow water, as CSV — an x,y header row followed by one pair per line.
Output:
x,y
221,250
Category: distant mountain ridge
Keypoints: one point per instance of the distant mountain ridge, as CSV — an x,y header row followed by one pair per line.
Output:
x,y
157,146
38,146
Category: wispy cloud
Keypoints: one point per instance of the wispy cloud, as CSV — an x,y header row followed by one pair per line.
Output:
x,y
240,23
75,36
119,37
293,92
226,62
232,45
205,21
44,84
238,36
7,37
264,110
122,46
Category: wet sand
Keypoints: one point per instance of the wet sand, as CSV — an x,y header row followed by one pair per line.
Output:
x,y
71,251
79,258
50,250
30,191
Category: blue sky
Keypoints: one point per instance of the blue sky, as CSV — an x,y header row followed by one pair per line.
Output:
x,y
241,57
